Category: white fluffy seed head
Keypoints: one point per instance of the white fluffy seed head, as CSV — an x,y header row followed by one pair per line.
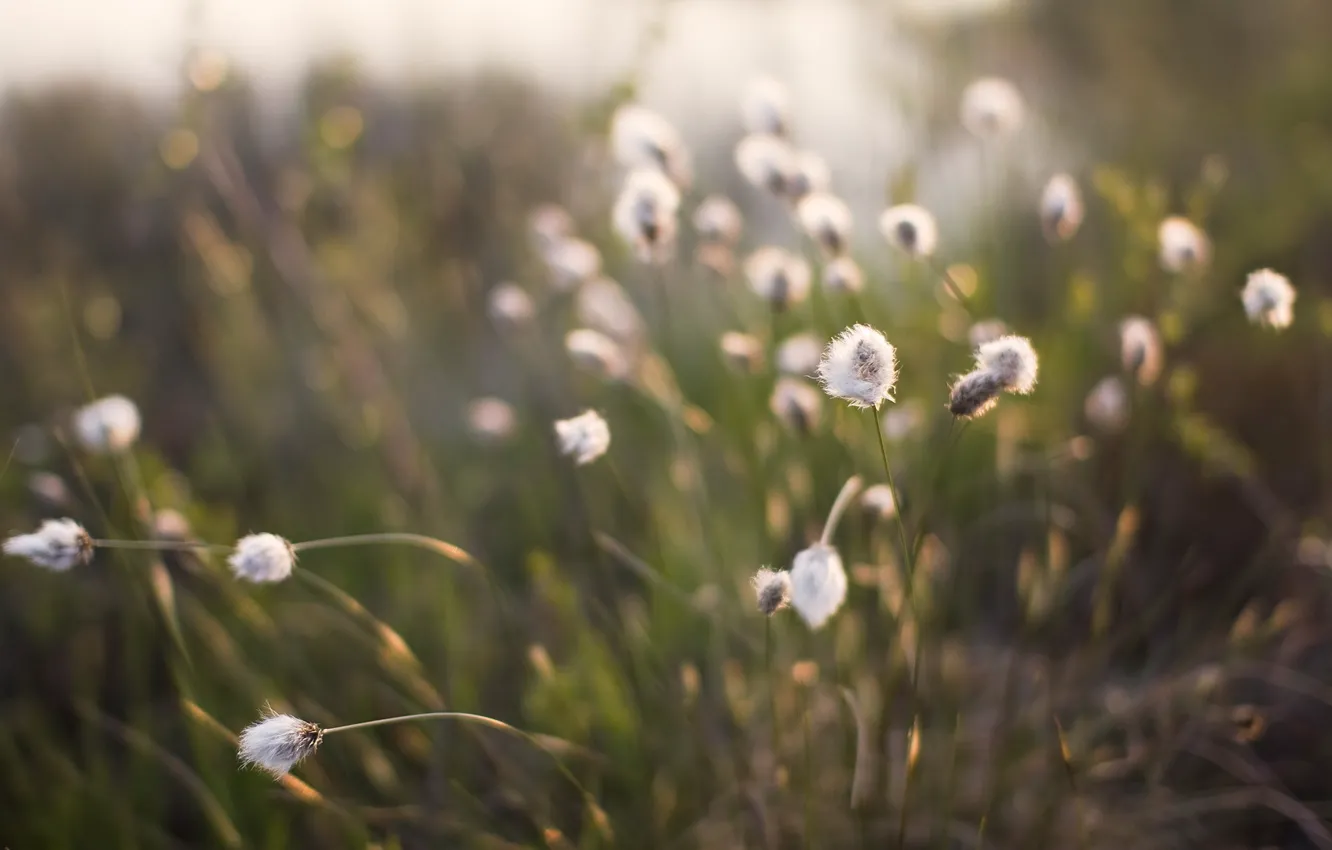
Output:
x,y
742,352
796,404
509,306
278,742
842,276
1012,360
603,305
827,220
1061,208
549,225
262,558
799,355
818,584
766,161
584,438
718,219
860,366
595,353
108,425
766,107
1269,299
778,276
879,500
910,229
1140,349
645,214
641,138
491,420
1183,246
571,262
1107,405
810,174
57,544
974,394
992,108
773,590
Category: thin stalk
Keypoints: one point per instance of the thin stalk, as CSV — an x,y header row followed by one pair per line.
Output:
x,y
772,687
907,558
809,775
421,541
161,545
844,497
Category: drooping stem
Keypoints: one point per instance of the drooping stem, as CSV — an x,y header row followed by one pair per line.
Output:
x,y
161,545
848,492
421,541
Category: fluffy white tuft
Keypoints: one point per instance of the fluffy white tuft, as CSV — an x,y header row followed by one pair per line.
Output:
x,y
842,275
818,584
645,214
584,437
827,220
810,174
57,544
880,501
860,366
1107,405
1140,349
1061,208
1012,360
778,276
109,424
597,353
765,107
992,108
642,138
766,161
718,219
1183,246
571,262
799,355
510,306
278,742
910,229
1269,299
797,404
773,590
491,420
604,306
742,352
262,558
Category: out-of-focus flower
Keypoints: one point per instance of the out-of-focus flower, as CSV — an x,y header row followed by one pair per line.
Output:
x,y
910,229
799,355
765,107
491,420
641,138
778,276
1184,247
549,225
1269,299
879,500
262,558
766,161
842,275
742,352
1061,208
108,425
811,174
992,108
974,394
718,219
585,437
827,220
797,404
57,545
597,353
645,214
571,262
860,366
603,305
510,306
773,589
1107,405
1140,349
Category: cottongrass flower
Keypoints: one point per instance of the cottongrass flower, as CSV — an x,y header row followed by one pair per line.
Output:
x,y
571,262
910,229
718,219
796,404
57,544
810,174
603,305
491,420
597,354
1269,299
992,108
879,501
1061,208
742,352
773,589
765,107
584,438
842,276
549,225
278,742
108,425
974,394
818,579
903,420
799,355
827,220
1140,349
1107,405
859,366
1012,360
766,162
986,330
262,558
1183,246
645,214
778,276
510,306
641,138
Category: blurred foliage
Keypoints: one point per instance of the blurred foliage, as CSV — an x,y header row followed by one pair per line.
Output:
x,y
1122,637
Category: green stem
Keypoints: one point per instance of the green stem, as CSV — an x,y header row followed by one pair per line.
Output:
x,y
161,545
421,541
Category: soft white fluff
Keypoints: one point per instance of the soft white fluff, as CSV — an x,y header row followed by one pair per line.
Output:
x,y
1061,208
585,437
860,366
910,229
1012,360
1107,405
262,558
797,404
641,138
1182,245
778,276
604,306
718,219
799,355
765,107
1140,349
491,420
992,108
879,500
109,424
278,742
645,214
571,262
842,275
57,544
742,352
596,353
1269,299
818,584
772,589
509,305
766,161
827,220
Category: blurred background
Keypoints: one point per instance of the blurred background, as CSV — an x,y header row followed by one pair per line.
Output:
x,y
280,229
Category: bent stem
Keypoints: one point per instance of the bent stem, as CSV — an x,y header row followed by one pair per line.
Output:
x,y
421,541
844,497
